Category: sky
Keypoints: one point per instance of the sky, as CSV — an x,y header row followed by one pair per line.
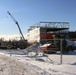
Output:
x,y
29,12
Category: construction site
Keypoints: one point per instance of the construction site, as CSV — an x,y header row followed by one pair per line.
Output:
x,y
49,34
37,37
47,49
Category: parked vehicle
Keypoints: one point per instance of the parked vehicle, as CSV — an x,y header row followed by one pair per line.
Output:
x,y
49,48
67,45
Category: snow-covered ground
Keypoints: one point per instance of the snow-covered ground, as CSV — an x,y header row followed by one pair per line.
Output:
x,y
22,62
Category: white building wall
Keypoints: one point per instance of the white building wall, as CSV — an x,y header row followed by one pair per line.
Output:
x,y
33,35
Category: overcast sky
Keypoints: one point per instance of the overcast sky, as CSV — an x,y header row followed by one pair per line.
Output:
x,y
29,12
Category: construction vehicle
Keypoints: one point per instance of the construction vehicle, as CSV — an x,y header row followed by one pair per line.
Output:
x,y
22,43
17,25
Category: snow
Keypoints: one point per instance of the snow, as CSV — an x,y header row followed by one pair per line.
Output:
x,y
31,61
45,45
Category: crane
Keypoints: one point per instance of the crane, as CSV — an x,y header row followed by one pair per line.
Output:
x,y
17,25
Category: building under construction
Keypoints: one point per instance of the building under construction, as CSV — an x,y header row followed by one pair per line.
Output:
x,y
45,31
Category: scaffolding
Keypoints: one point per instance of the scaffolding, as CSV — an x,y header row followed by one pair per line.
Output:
x,y
55,26
50,30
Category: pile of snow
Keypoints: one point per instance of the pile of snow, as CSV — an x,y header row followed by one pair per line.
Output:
x,y
73,63
11,51
22,65
45,45
33,50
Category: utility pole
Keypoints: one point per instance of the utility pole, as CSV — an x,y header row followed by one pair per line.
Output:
x,y
61,51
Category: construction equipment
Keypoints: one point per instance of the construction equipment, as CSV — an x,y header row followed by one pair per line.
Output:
x,y
17,25
22,43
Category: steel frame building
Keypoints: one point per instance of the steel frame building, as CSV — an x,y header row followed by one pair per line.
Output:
x,y
44,31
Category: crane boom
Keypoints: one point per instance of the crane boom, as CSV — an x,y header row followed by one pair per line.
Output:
x,y
17,25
